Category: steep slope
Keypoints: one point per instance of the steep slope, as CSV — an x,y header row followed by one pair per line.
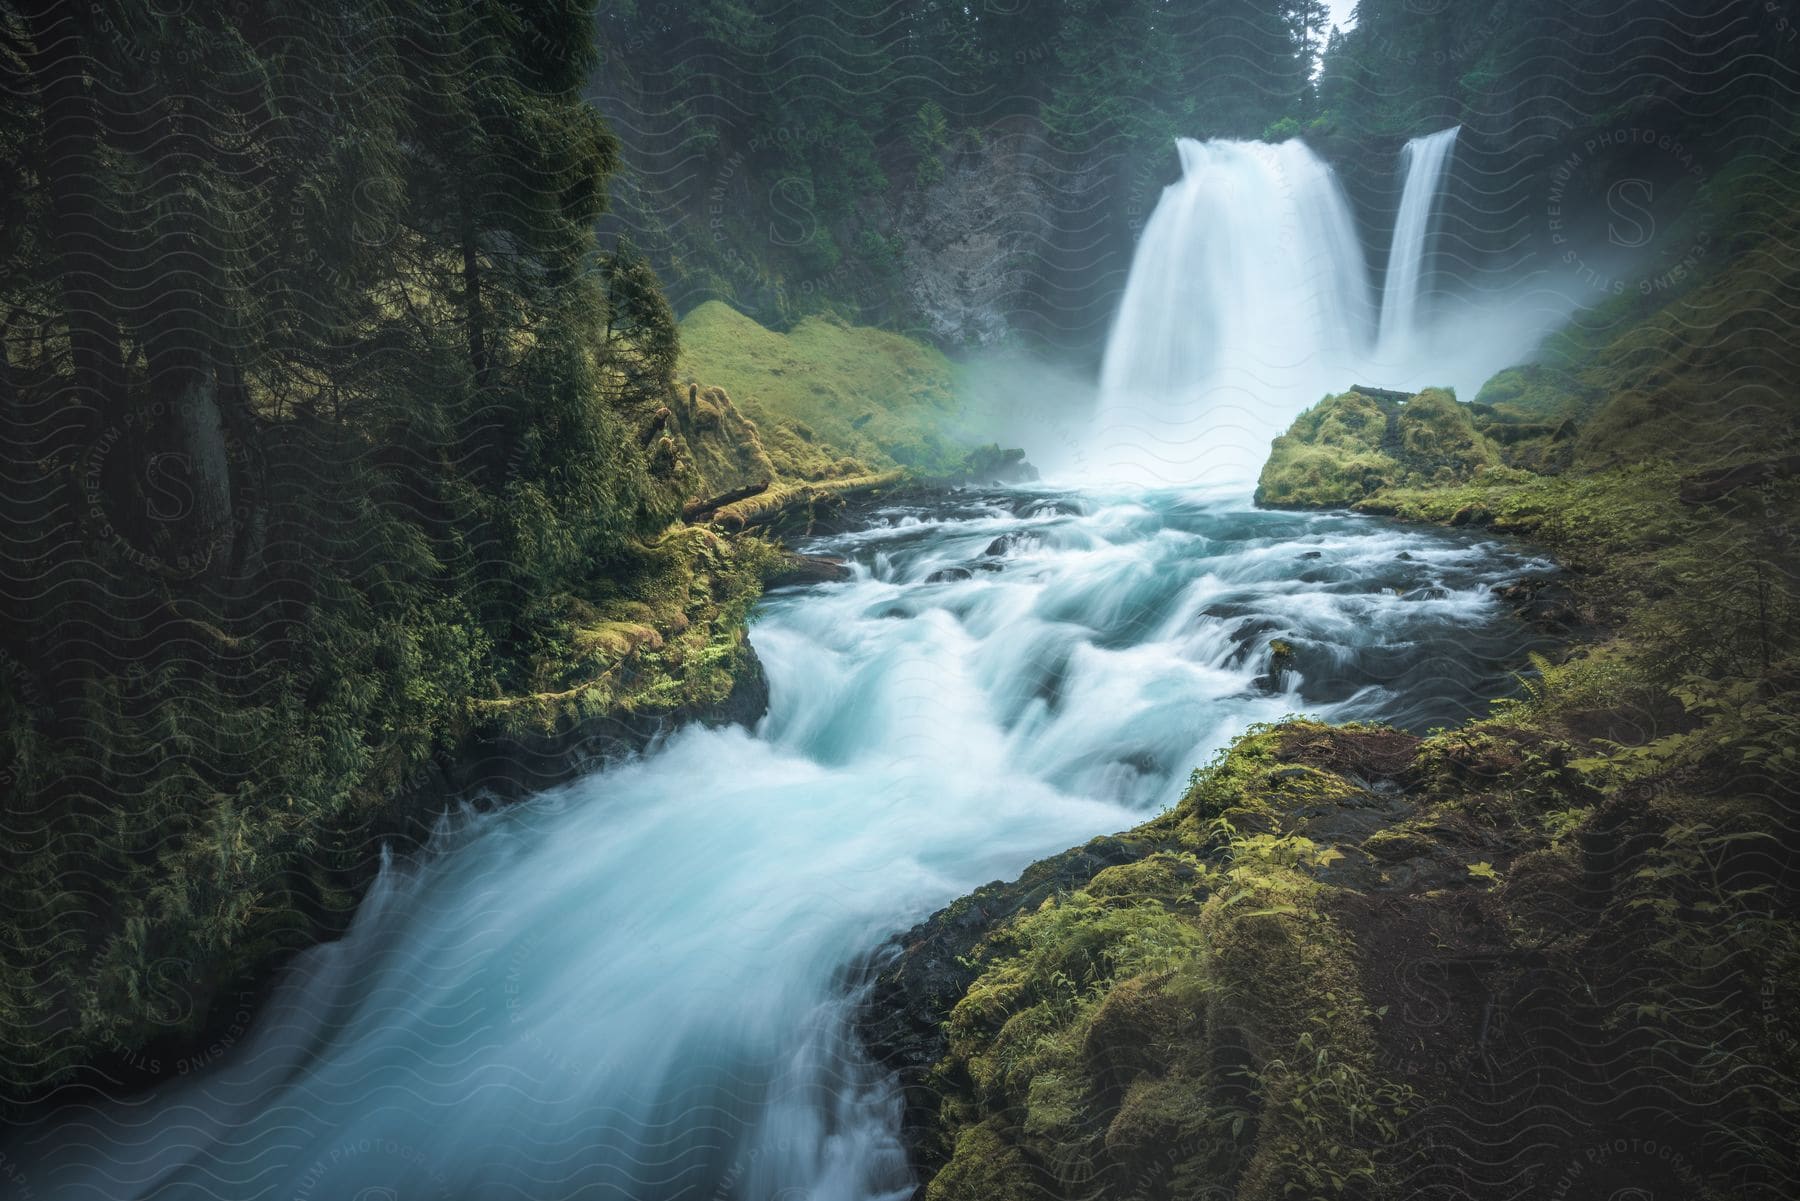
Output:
x,y
827,390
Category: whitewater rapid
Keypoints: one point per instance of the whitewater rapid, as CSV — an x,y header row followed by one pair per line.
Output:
x,y
635,985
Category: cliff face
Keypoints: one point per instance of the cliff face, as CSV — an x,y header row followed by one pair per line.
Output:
x,y
1546,953
1012,231
996,235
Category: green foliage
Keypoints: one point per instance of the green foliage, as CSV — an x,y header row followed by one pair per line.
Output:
x,y
1404,69
352,310
1282,130
929,138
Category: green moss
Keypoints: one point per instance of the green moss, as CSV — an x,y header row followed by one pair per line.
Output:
x,y
1163,1026
1533,389
1438,438
1351,445
826,390
724,449
985,1167
1162,875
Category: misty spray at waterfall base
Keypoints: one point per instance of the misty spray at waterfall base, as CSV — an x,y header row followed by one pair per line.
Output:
x,y
1250,297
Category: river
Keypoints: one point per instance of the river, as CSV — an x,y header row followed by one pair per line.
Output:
x,y
633,986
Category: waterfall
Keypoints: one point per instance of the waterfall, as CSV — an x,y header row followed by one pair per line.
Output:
x,y
1248,299
1425,161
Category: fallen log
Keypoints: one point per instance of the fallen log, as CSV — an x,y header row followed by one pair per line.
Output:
x,y
1382,393
696,511
798,570
768,506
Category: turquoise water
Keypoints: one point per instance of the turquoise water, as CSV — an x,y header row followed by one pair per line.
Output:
x,y
633,986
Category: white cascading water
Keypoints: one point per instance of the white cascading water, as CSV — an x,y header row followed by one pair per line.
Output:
x,y
1248,300
1248,290
633,986
1425,161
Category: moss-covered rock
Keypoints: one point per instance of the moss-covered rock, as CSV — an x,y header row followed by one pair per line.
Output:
x,y
724,448
1156,1027
986,1167
1354,444
1334,454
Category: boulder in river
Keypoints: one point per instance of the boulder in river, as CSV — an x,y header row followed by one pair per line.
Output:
x,y
796,570
1281,661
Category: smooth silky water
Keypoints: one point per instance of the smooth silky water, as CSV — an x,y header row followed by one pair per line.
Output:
x,y
634,986
1250,297
1424,162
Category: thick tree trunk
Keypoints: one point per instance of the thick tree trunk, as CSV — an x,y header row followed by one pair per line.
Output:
x,y
78,228
477,316
197,427
64,604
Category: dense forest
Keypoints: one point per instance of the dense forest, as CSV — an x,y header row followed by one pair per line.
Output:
x,y
979,173
323,408
405,408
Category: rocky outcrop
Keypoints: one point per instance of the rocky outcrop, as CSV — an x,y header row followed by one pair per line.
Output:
x,y
1109,1024
992,464
1350,953
922,975
981,247
1354,444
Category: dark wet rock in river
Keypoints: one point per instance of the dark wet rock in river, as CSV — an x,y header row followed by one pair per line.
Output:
x,y
920,975
1245,636
945,575
801,570
1037,506
1281,662
1544,602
